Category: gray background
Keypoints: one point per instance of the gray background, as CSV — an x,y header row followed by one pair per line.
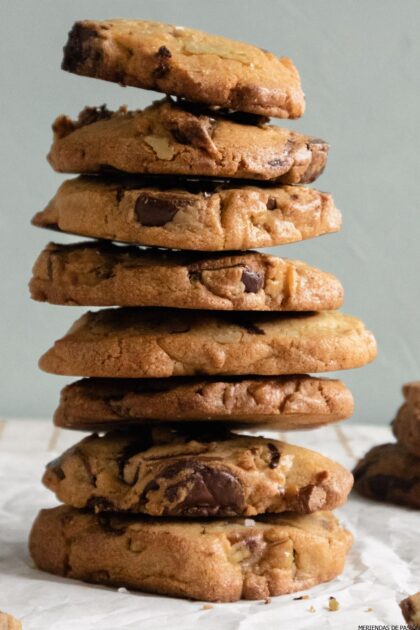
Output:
x,y
359,63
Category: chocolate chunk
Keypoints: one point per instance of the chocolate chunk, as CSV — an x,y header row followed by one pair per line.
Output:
x,y
210,490
274,455
80,47
162,69
137,445
271,203
105,521
157,211
164,52
100,504
253,280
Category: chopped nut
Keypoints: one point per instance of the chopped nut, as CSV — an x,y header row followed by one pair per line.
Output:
x,y
312,609
333,604
161,146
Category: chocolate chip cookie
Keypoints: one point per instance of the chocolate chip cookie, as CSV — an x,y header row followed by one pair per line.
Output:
x,y
292,402
206,560
179,139
391,474
410,608
189,214
187,63
163,471
139,343
406,426
102,274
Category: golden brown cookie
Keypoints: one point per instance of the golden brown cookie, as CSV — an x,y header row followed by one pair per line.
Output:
x,y
390,474
207,560
102,274
291,402
195,471
189,214
8,622
410,608
187,63
173,139
139,343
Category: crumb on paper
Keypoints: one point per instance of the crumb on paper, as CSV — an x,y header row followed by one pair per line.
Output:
x,y
267,600
333,604
122,589
207,607
311,609
301,597
369,610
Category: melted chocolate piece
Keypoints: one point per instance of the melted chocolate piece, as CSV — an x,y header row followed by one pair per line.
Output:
x,y
163,67
137,445
100,504
105,522
210,490
274,455
156,211
253,280
271,203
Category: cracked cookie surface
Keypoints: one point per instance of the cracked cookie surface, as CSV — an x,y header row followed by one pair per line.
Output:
x,y
389,473
150,342
174,139
187,63
196,471
189,214
102,274
205,560
294,402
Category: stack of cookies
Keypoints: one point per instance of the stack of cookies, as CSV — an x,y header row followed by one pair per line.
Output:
x,y
167,496
391,472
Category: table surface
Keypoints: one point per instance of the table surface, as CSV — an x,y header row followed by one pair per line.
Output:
x,y
383,565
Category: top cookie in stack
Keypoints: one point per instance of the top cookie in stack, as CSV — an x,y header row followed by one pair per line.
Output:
x,y
205,172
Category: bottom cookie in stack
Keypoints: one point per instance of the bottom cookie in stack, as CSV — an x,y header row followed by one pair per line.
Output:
x,y
391,472
114,485
208,560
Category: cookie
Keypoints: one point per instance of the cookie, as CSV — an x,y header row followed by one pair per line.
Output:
x,y
389,473
8,622
293,402
410,608
139,343
199,215
186,63
206,560
102,274
406,428
173,139
195,472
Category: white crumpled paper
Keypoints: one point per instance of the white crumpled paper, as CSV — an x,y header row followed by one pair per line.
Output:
x,y
383,566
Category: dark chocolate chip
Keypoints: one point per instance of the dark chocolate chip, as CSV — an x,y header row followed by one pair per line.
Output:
x,y
271,203
211,491
157,211
164,52
274,455
137,445
253,280
100,504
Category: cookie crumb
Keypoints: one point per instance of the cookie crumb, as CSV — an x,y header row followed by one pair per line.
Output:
x,y
311,609
249,522
267,600
333,604
301,597
369,610
207,607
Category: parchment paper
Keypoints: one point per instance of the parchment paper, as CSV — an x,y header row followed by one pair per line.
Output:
x,y
383,566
